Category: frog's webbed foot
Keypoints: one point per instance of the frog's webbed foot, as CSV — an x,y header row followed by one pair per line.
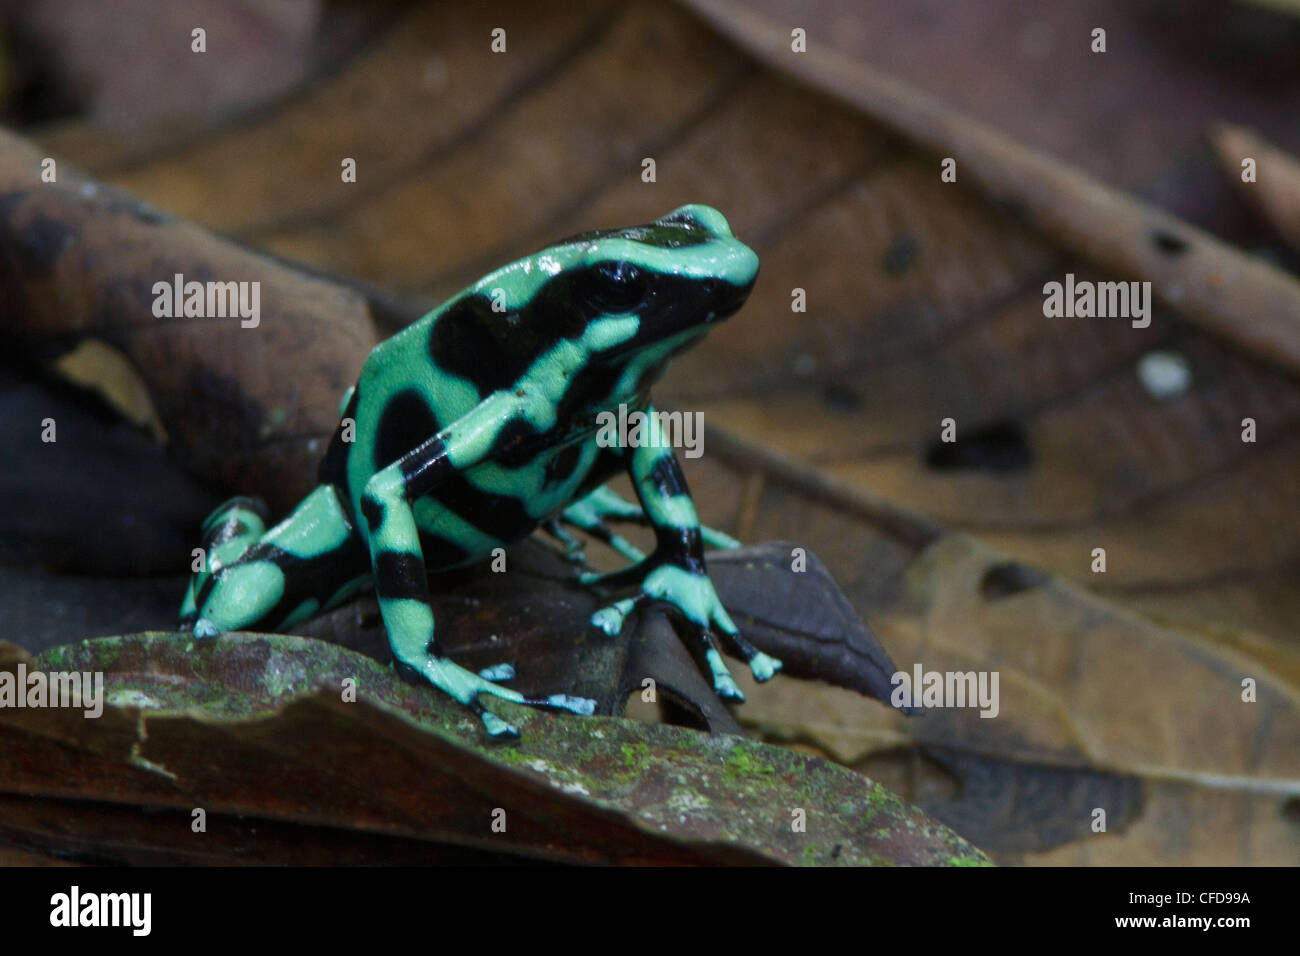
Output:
x,y
466,686
589,514
692,595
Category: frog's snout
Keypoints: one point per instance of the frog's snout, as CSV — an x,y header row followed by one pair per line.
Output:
x,y
700,216
728,298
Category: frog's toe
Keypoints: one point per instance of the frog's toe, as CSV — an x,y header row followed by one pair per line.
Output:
x,y
205,630
724,685
763,667
496,728
610,618
583,706
498,672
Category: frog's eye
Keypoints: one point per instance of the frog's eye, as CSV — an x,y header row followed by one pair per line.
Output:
x,y
619,287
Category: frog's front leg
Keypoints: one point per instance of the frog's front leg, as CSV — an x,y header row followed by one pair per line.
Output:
x,y
589,514
675,573
399,571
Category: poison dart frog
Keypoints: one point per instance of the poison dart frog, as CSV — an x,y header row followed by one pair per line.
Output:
x,y
476,425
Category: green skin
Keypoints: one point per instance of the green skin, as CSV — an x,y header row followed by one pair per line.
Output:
x,y
476,425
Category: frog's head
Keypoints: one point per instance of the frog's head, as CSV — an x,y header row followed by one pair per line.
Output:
x,y
677,275
625,300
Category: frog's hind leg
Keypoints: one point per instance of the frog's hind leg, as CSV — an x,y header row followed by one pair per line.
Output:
x,y
588,514
308,562
228,532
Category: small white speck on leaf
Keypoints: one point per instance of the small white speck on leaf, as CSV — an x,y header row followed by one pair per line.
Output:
x,y
1164,375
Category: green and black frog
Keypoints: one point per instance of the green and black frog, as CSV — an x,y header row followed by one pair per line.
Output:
x,y
476,425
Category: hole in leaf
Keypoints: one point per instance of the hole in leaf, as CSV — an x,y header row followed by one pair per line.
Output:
x,y
841,398
997,447
37,87
900,255
1008,578
1168,243
1291,810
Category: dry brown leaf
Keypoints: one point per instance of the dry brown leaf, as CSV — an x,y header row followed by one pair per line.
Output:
x,y
1134,117
260,726
81,261
1099,707
1274,189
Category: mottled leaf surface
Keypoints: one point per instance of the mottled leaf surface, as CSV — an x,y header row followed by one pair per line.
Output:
x,y
240,728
